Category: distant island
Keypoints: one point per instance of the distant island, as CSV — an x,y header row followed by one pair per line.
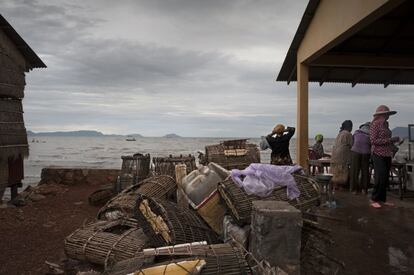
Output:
x,y
171,136
401,132
80,133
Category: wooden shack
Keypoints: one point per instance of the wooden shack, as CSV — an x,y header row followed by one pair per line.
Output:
x,y
16,59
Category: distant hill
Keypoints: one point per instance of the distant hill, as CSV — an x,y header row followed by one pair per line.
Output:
x,y
401,132
81,133
171,136
135,135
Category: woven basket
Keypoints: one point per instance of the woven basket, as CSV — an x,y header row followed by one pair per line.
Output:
x,y
220,259
123,204
240,203
166,165
138,165
167,223
232,156
105,242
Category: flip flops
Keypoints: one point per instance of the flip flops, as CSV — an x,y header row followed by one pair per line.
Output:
x,y
375,204
389,204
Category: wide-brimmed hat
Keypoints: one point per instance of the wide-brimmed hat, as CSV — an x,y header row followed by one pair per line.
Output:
x,y
384,110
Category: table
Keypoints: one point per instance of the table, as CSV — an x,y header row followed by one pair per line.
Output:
x,y
322,164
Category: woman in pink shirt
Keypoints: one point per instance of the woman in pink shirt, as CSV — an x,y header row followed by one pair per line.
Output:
x,y
382,145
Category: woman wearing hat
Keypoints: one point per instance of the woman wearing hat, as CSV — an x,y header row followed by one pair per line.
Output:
x,y
360,155
382,148
341,155
279,140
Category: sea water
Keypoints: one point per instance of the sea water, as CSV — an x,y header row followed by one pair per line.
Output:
x,y
106,152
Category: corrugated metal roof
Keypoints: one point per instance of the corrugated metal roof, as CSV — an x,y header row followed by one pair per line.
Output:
x,y
30,56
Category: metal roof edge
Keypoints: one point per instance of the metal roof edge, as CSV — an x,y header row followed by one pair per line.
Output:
x,y
289,63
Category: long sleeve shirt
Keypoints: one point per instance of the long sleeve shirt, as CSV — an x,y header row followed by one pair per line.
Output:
x,y
380,136
280,144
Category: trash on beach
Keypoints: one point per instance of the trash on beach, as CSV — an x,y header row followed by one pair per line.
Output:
x,y
166,223
123,204
234,233
200,187
106,242
231,154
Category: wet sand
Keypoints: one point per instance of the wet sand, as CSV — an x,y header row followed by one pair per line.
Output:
x,y
372,241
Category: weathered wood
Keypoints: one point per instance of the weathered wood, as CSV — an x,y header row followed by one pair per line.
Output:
x,y
180,173
302,136
10,49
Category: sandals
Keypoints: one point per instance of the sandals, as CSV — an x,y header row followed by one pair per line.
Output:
x,y
389,204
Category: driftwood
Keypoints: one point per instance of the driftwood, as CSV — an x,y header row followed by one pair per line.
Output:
x,y
122,205
166,223
240,203
106,242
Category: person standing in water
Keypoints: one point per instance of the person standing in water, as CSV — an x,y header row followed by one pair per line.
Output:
x,y
279,140
382,149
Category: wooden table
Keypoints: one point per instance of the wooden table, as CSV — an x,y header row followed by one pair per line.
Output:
x,y
322,164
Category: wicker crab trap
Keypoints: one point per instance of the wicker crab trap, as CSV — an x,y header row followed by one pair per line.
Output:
x,y
240,203
232,154
215,259
137,165
162,187
166,165
106,242
166,223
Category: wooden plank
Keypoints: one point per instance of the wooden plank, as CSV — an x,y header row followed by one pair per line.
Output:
x,y
302,134
9,48
364,61
10,90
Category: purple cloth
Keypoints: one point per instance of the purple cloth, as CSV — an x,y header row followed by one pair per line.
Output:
x,y
262,179
362,144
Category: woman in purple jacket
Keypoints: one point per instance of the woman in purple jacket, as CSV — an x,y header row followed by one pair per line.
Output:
x,y
360,156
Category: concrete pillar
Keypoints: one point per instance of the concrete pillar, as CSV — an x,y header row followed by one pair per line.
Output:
x,y
180,173
302,134
276,235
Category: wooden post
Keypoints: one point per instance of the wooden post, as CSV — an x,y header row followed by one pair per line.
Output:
x,y
180,173
302,136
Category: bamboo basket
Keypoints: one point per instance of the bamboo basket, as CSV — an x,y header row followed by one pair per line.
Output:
x,y
219,258
234,154
240,203
105,243
123,204
138,165
166,165
166,223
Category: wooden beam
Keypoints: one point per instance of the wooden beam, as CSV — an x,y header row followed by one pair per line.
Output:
x,y
360,61
393,76
337,20
302,134
325,76
358,77
292,73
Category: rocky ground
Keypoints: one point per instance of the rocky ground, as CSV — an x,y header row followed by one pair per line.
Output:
x,y
35,232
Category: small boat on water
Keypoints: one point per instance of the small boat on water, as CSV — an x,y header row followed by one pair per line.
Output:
x,y
130,139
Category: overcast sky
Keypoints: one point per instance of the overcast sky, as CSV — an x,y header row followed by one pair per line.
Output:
x,y
192,67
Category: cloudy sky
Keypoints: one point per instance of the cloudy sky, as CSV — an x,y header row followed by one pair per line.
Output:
x,y
192,67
